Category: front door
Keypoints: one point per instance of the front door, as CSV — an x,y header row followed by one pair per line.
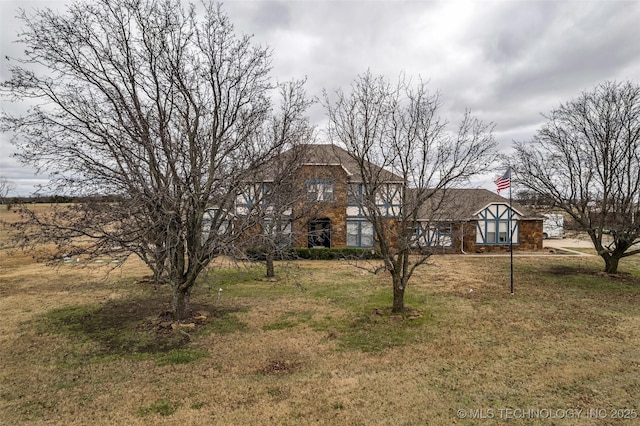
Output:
x,y
319,233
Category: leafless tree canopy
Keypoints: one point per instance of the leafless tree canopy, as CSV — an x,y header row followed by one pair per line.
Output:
x,y
586,161
150,101
397,126
6,186
273,202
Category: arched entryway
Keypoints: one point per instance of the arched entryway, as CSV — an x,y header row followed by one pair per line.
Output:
x,y
319,233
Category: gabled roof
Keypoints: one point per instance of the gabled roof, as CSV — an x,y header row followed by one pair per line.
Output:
x,y
324,155
461,204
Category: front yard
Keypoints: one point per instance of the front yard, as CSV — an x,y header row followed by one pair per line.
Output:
x,y
318,345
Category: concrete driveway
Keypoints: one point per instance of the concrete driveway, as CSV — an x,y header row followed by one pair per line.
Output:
x,y
567,243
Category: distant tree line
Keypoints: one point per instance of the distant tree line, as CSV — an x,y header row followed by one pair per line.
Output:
x,y
64,199
532,199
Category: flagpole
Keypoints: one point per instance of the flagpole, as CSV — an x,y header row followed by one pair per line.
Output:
x,y
511,234
504,182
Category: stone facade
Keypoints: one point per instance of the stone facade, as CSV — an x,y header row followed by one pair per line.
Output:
x,y
531,234
334,211
530,238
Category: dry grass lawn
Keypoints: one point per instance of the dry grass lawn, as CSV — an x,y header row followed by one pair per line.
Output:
x,y
318,345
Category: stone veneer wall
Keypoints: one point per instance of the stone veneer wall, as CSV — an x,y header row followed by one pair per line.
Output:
x,y
530,238
335,211
531,234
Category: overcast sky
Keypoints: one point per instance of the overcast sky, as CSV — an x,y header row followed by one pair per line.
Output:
x,y
506,61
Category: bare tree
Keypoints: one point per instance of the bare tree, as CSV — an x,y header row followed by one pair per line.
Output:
x,y
166,108
271,202
6,186
397,128
272,237
586,161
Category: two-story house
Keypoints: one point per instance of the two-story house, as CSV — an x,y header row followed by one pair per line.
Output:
x,y
316,204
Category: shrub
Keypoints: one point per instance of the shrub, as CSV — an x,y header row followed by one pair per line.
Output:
x,y
258,254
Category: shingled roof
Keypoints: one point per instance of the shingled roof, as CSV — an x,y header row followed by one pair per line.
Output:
x,y
461,204
324,155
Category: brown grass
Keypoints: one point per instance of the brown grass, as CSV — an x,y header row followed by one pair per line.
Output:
x,y
313,347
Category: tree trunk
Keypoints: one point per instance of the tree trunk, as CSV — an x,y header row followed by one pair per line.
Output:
x,y
611,259
181,305
270,268
398,296
611,263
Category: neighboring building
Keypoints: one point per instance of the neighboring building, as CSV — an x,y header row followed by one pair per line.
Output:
x,y
320,208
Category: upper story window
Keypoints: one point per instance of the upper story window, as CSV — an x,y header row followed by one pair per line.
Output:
x,y
246,199
387,200
267,193
252,197
320,189
354,196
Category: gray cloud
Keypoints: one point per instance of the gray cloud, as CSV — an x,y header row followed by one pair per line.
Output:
x,y
506,61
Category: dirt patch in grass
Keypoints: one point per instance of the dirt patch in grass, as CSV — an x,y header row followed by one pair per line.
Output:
x,y
280,366
567,270
118,327
133,325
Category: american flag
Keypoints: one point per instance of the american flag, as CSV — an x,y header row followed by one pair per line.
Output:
x,y
504,181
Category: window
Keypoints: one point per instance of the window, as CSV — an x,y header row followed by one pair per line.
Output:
x,y
354,196
245,200
503,231
279,231
428,235
359,233
491,232
389,199
493,225
497,231
267,193
319,189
